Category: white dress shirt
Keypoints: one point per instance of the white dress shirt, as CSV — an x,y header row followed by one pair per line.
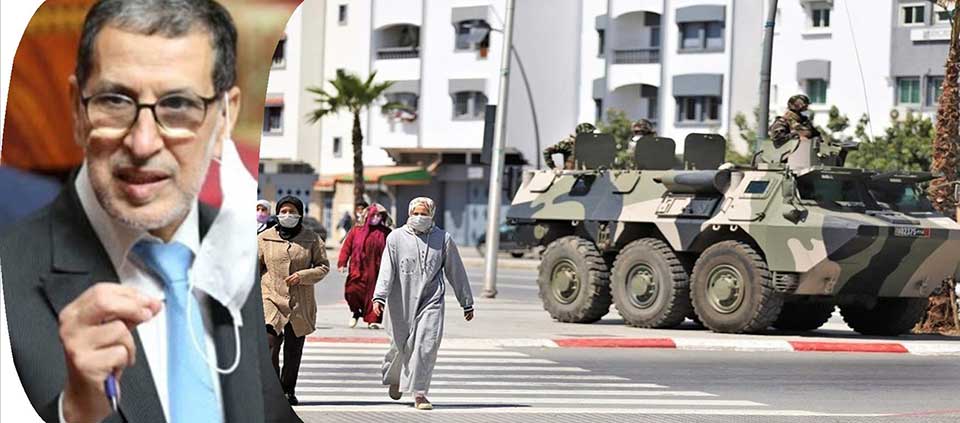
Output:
x,y
118,241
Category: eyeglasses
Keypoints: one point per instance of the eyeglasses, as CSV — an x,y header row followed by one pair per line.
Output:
x,y
178,115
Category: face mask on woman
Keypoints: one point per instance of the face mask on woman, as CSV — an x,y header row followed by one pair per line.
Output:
x,y
420,223
288,220
262,217
375,220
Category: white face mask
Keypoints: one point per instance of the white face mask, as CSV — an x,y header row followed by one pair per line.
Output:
x,y
289,220
420,223
806,114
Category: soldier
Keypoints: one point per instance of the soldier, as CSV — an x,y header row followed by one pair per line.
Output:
x,y
565,147
794,129
642,128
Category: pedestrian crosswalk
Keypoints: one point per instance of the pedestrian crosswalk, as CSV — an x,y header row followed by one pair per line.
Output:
x,y
346,377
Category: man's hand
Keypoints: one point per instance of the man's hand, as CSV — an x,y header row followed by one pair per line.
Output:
x,y
95,330
468,316
292,280
377,308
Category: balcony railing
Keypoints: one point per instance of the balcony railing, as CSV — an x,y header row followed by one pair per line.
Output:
x,y
388,53
637,55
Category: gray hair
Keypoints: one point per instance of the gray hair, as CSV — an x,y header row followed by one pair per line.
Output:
x,y
167,18
426,202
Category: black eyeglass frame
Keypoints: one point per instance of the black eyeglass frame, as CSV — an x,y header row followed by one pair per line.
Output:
x,y
153,107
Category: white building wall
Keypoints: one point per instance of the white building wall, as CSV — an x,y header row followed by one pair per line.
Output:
x,y
285,81
348,48
796,41
675,63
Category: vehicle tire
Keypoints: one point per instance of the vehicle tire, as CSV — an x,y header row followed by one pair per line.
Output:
x,y
574,281
732,291
889,317
516,254
803,316
650,287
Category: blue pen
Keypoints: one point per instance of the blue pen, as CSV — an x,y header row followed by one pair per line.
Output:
x,y
113,394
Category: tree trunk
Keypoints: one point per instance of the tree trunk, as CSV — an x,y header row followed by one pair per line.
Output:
x,y
358,182
942,312
947,141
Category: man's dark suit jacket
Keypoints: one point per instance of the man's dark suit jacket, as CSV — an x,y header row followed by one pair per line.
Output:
x,y
49,260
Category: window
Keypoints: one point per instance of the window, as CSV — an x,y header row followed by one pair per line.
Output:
x,y
598,110
654,36
342,14
913,14
280,54
698,109
468,105
409,100
817,91
701,36
472,35
601,37
337,147
934,90
941,15
273,119
908,90
820,17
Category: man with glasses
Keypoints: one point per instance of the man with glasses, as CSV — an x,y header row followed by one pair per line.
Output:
x,y
98,285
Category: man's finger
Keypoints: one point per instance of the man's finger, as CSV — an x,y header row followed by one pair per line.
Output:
x,y
98,364
105,305
108,335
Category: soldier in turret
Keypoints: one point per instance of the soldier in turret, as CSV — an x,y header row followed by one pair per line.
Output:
x,y
795,122
565,147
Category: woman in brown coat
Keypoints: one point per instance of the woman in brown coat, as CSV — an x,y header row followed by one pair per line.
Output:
x,y
292,260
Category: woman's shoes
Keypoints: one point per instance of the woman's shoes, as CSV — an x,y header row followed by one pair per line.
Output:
x,y
292,399
374,326
395,393
421,403
353,322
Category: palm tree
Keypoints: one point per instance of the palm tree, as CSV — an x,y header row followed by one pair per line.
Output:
x,y
352,95
946,144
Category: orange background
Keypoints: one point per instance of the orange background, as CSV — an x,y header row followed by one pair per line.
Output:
x,y
38,134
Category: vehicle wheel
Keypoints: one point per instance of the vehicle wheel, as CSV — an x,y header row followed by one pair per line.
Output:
x,y
889,317
516,254
732,291
574,281
650,287
803,316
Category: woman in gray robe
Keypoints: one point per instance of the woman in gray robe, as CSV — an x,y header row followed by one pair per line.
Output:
x,y
418,258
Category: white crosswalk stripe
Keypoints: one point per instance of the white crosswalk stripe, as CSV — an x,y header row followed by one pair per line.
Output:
x,y
335,376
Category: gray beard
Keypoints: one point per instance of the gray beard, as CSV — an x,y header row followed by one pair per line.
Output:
x,y
177,212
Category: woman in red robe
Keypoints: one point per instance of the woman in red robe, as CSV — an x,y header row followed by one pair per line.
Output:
x,y
360,254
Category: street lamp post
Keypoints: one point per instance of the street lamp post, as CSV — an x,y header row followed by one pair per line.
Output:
x,y
763,121
496,167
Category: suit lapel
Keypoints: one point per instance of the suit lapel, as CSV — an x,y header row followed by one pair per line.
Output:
x,y
79,261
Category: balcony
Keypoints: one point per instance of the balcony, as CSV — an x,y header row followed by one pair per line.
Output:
x,y
391,53
636,55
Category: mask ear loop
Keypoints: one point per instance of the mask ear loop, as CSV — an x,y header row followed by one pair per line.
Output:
x,y
196,345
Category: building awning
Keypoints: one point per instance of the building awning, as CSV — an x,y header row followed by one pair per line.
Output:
x,y
273,100
386,175
601,22
407,86
460,14
698,84
813,69
464,85
701,13
599,88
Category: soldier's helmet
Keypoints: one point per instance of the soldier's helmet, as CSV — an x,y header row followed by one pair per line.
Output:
x,y
585,128
798,103
643,127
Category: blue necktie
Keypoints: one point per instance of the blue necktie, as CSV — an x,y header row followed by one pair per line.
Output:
x,y
191,394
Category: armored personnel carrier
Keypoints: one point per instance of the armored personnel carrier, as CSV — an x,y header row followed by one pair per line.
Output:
x,y
739,248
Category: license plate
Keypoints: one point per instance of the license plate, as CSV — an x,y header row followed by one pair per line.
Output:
x,y
911,232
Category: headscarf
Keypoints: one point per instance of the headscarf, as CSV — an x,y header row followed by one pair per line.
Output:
x,y
288,233
368,233
426,202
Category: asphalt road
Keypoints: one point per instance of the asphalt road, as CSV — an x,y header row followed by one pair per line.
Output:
x,y
658,385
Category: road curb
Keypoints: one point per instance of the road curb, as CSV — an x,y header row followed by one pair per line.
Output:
x,y
686,344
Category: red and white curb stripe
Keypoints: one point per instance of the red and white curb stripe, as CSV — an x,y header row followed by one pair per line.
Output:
x,y
948,348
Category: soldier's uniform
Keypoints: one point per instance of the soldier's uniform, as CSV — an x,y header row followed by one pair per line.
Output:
x,y
565,147
793,124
